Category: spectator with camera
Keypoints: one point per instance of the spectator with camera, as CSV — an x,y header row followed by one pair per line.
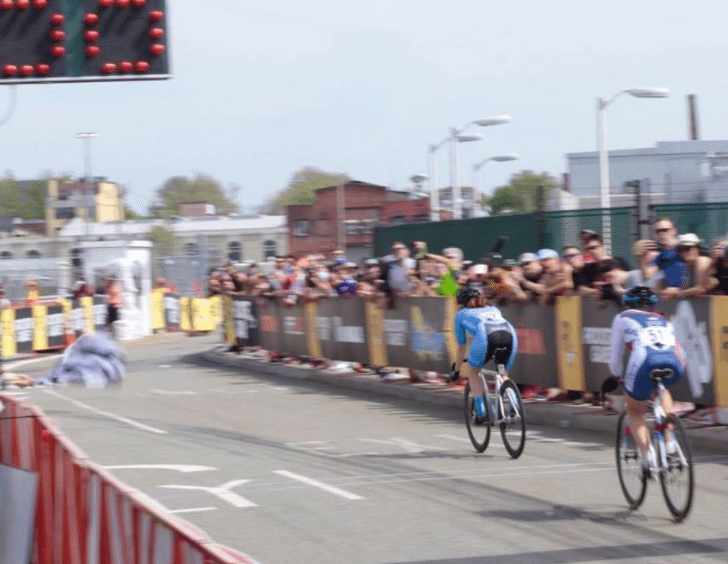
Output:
x,y
646,274
697,280
668,259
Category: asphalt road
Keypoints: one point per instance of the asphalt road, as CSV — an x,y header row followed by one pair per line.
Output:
x,y
292,471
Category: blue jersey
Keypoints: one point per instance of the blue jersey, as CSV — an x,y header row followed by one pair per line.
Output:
x,y
480,322
651,339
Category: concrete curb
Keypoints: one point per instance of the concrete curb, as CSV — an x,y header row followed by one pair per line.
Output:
x,y
547,414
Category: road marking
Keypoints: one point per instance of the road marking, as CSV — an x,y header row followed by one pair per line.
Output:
x,y
192,510
165,366
119,418
176,467
407,445
12,365
464,440
222,492
320,485
174,392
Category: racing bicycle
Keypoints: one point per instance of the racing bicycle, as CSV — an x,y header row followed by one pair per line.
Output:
x,y
675,468
503,408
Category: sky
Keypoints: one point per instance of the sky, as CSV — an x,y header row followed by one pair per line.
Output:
x,y
263,88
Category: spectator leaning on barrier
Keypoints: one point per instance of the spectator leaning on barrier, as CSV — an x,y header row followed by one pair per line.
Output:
x,y
398,281
451,259
346,285
668,260
574,263
719,266
697,280
557,280
610,281
530,271
646,274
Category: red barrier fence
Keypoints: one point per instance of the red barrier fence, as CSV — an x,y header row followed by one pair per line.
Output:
x,y
84,515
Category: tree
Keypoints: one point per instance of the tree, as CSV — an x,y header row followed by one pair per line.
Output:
x,y
520,195
164,241
179,189
26,200
301,188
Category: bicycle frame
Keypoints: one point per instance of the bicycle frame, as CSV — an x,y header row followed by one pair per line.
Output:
x,y
498,404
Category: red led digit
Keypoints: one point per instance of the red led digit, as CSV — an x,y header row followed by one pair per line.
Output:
x,y
91,18
22,4
125,66
58,35
40,4
108,68
92,51
156,15
10,70
141,66
58,51
57,19
156,32
91,35
42,69
156,49
26,70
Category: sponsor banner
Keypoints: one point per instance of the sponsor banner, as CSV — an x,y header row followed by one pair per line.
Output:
x,y
245,322
569,348
184,314
171,311
269,324
535,362
7,333
24,324
293,329
200,317
414,335
340,325
56,326
156,305
375,332
719,335
40,329
314,344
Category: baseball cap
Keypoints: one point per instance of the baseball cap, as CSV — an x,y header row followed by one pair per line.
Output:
x,y
546,254
526,258
688,240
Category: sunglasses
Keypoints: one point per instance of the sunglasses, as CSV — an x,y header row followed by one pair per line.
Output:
x,y
663,229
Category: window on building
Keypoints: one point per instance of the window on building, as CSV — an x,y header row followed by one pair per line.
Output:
x,y
398,219
422,217
270,249
32,254
352,228
302,227
192,250
65,213
76,257
6,255
234,251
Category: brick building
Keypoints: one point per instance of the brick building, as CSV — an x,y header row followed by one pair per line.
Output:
x,y
315,228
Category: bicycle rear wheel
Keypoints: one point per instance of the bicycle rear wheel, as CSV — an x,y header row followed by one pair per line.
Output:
x,y
478,428
513,422
629,465
677,479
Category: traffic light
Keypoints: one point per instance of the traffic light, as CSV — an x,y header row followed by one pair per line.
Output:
x,y
82,40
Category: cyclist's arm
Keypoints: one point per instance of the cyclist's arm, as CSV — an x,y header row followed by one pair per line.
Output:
x,y
616,347
460,356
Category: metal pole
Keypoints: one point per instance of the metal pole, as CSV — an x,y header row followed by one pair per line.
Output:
x,y
457,210
432,173
604,176
340,217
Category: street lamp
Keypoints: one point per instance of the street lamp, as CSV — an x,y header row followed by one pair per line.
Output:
x,y
602,104
87,136
457,135
497,159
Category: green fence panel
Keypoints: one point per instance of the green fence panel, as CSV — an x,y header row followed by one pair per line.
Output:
x,y
708,221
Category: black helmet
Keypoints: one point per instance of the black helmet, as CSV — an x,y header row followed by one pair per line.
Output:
x,y
640,296
466,294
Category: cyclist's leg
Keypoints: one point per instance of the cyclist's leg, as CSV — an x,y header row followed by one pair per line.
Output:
x,y
636,411
471,373
471,369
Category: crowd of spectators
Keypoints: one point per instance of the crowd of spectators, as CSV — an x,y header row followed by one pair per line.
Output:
x,y
675,266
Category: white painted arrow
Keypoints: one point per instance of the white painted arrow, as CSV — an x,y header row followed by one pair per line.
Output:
x,y
176,467
222,491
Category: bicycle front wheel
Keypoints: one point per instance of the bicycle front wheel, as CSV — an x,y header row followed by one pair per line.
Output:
x,y
513,420
478,427
629,465
677,479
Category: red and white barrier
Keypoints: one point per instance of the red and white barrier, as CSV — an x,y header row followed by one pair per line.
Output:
x,y
84,515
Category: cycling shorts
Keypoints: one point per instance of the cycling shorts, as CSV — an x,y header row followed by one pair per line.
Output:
x,y
484,346
637,381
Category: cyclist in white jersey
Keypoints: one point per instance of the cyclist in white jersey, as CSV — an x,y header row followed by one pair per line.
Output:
x,y
493,337
651,339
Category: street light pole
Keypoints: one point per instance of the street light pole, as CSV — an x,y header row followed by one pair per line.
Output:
x,y
604,189
497,159
87,136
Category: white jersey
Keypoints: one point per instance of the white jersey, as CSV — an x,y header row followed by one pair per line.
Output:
x,y
647,335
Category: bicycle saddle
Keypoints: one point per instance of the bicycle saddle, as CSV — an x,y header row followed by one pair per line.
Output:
x,y
660,374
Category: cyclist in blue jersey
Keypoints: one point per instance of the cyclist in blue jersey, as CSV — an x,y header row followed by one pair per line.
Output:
x,y
651,339
493,337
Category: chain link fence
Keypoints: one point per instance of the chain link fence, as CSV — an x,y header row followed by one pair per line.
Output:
x,y
53,277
